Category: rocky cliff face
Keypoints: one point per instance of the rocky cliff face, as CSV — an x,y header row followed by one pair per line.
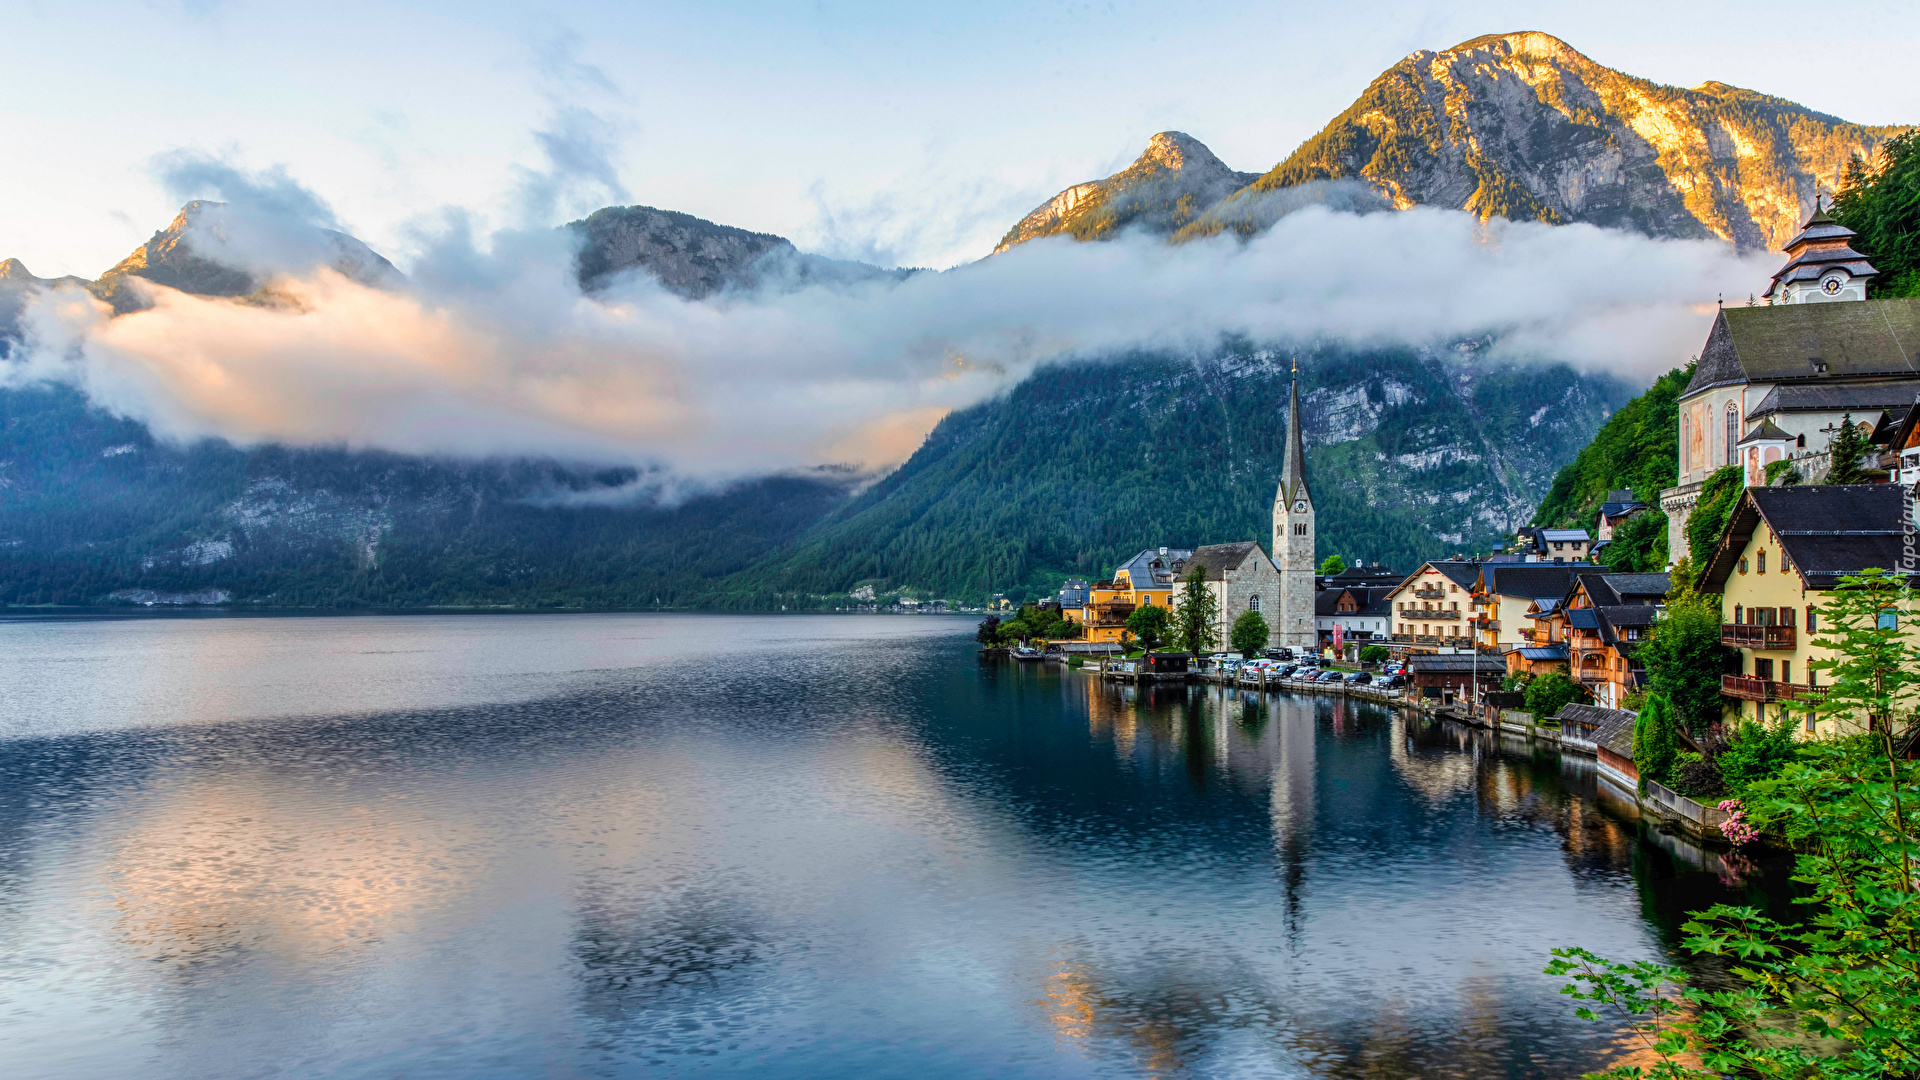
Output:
x,y
1163,190
697,258
1524,127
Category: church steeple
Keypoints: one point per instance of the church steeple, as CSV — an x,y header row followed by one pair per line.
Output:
x,y
1293,533
1821,265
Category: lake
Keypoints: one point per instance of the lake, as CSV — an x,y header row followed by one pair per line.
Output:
x,y
773,846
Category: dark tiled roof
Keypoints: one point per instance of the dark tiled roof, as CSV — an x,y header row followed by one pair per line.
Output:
x,y
1535,581
1217,559
1625,588
1766,430
1770,344
1838,397
1433,665
1583,618
1544,652
1563,535
1829,530
1611,728
1616,509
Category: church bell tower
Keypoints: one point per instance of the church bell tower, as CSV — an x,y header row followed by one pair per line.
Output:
x,y
1293,536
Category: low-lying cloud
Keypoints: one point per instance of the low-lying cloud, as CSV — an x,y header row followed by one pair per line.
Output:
x,y
489,347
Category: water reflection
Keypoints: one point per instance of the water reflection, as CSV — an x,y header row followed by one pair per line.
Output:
x,y
859,852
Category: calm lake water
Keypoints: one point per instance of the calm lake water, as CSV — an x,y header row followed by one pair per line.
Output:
x,y
627,845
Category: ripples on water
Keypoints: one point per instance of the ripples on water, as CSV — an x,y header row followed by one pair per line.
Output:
x,y
800,846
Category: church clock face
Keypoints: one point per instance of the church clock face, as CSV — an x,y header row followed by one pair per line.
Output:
x,y
1830,286
1300,506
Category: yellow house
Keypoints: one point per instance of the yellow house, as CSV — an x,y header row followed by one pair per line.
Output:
x,y
1146,579
1782,550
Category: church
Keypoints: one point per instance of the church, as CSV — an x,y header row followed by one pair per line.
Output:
x,y
1775,380
1242,577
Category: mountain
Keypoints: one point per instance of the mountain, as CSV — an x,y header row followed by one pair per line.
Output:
x,y
1412,455
94,510
697,258
212,249
1163,190
18,285
1523,126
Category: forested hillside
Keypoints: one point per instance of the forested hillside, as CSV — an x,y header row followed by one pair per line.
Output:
x,y
1638,448
1412,456
93,509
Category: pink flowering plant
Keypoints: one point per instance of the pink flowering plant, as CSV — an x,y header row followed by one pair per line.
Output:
x,y
1736,828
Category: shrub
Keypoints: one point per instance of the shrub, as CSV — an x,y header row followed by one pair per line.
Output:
x,y
1548,694
1698,777
1756,752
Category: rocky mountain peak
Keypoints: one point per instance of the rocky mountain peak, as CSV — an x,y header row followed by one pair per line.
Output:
x,y
13,270
1524,126
1166,187
213,249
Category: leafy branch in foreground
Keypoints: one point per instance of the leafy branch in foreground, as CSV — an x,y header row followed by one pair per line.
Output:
x,y
1837,996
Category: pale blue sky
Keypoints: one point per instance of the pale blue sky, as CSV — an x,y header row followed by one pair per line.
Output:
x,y
882,131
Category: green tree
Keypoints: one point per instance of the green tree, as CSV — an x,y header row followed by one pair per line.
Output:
x,y
1684,656
1149,623
1874,672
1834,997
1639,544
1638,448
1778,469
1755,752
1881,202
1549,693
1374,654
1249,634
1332,564
1655,742
989,631
1197,620
1718,496
1847,450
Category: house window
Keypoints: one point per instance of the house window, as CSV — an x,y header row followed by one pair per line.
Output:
x,y
1813,620
1738,616
1786,613
1786,671
1763,668
1743,565
1733,434
1784,565
1760,562
1253,603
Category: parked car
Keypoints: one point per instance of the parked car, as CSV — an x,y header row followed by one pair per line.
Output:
x,y
1392,682
1359,678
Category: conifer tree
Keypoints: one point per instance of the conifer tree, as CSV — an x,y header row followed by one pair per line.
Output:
x,y
1848,449
1198,616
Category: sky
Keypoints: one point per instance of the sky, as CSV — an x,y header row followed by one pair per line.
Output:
x,y
900,134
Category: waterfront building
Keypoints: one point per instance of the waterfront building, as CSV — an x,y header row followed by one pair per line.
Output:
x,y
1784,548
1293,539
1505,593
1427,615
1148,578
1457,678
1363,614
1242,578
1773,382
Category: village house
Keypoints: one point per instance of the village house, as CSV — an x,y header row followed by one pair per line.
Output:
x,y
1505,594
1147,578
1614,512
1607,617
1344,615
1774,382
1428,607
1783,550
1241,578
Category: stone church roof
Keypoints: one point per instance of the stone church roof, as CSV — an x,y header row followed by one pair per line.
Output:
x,y
1217,559
1811,344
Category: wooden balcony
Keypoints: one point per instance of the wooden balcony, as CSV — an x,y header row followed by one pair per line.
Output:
x,y
1411,614
1430,594
1750,636
1751,688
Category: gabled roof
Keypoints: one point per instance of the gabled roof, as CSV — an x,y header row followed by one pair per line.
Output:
x,y
1620,509
1766,431
1828,530
1611,728
1143,575
1775,344
1860,398
1461,572
1564,535
1604,588
1583,618
1217,559
1535,581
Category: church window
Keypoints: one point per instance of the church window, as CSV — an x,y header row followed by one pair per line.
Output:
x,y
1299,530
1253,603
1733,434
